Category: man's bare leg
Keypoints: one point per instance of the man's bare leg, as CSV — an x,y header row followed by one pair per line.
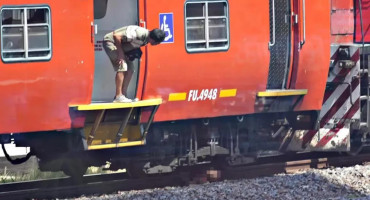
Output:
x,y
126,82
119,81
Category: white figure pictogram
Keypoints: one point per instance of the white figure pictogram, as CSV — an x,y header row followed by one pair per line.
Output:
x,y
166,29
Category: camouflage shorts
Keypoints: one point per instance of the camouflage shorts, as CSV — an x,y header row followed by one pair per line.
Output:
x,y
112,53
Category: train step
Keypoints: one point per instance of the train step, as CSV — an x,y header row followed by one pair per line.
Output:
x,y
110,105
127,110
282,93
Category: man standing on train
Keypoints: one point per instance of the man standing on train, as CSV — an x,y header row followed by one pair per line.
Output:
x,y
122,47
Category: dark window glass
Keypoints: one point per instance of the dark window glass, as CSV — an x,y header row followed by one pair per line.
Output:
x,y
12,16
216,9
38,37
13,38
217,44
100,8
38,53
197,46
195,29
217,29
14,55
37,16
195,10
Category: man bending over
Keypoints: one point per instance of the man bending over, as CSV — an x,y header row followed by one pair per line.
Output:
x,y
122,46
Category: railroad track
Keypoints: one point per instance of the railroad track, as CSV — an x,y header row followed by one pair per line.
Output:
x,y
111,183
96,184
292,166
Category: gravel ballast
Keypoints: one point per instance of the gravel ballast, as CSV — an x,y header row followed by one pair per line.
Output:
x,y
336,183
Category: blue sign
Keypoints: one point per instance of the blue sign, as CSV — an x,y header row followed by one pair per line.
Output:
x,y
166,24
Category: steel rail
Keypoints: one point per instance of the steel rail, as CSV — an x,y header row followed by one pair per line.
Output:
x,y
111,183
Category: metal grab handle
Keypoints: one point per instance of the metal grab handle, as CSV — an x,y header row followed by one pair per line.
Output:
x,y
304,23
273,25
143,23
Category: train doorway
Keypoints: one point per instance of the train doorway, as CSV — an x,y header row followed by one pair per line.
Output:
x,y
280,44
110,15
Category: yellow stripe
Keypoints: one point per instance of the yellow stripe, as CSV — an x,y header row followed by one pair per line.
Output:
x,y
177,97
105,106
228,93
109,146
100,142
280,93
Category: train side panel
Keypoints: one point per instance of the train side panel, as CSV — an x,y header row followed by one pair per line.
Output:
x,y
241,69
314,55
238,74
35,95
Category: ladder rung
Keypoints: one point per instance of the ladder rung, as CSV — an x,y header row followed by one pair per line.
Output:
x,y
363,71
363,124
363,98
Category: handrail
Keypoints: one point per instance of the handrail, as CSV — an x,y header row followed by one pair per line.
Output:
x,y
143,22
273,25
304,23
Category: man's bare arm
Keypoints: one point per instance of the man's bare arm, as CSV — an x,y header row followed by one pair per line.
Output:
x,y
118,42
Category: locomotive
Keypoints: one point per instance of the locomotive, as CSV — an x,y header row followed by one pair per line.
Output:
x,y
232,82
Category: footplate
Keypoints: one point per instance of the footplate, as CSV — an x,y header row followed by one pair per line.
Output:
x,y
113,125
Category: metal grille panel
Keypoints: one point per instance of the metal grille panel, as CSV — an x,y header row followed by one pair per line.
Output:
x,y
280,52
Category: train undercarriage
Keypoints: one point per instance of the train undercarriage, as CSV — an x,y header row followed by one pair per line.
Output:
x,y
341,126
231,141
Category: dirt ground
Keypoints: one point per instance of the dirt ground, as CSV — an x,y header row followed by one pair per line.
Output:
x,y
6,168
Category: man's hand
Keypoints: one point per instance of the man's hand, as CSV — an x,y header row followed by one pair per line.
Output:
x,y
120,61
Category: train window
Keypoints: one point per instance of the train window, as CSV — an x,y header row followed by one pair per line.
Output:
x,y
25,34
195,9
207,26
100,8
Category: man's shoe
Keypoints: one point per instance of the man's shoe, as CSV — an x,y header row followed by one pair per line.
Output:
x,y
122,99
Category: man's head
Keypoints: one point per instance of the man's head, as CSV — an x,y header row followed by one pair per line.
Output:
x,y
156,36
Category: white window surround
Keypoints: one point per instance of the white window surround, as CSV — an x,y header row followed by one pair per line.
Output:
x,y
25,33
207,26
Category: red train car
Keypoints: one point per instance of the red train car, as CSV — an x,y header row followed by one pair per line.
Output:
x,y
237,79
47,63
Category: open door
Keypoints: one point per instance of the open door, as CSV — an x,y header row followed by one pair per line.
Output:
x,y
287,37
108,16
299,37
114,125
280,44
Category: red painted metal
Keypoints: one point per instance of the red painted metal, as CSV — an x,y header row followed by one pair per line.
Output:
x,y
244,66
342,22
35,95
346,21
366,21
312,70
297,32
342,4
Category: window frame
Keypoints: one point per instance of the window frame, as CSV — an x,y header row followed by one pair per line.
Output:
x,y
105,10
206,27
25,27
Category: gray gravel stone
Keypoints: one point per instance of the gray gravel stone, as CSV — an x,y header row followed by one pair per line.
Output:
x,y
335,184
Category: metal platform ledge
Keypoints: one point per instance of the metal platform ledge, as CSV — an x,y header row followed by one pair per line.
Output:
x,y
282,93
110,146
108,106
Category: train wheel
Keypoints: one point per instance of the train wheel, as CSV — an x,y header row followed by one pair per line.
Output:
x,y
75,168
136,169
74,165
356,142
